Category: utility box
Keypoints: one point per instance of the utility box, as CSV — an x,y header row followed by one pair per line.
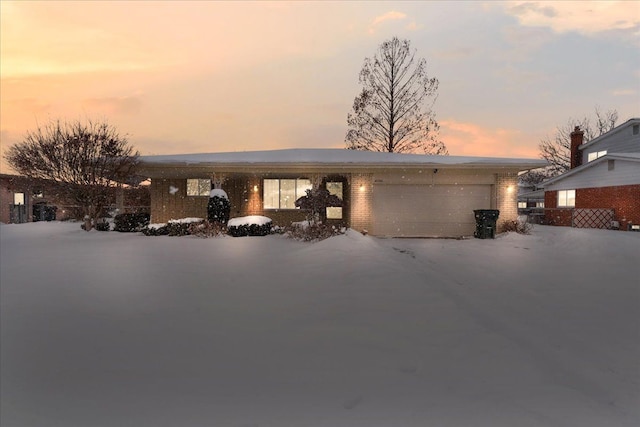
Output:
x,y
486,220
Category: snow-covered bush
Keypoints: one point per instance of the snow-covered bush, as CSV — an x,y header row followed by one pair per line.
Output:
x,y
520,226
313,231
103,225
175,227
218,208
253,225
207,229
131,222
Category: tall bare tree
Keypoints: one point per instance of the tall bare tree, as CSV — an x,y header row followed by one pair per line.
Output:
x,y
557,149
83,160
393,113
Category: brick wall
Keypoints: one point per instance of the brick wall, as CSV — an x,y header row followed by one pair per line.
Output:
x,y
506,189
624,200
361,201
169,200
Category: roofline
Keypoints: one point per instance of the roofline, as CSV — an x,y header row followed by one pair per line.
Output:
x,y
613,156
182,161
615,130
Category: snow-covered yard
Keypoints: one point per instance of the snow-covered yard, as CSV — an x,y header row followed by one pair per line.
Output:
x,y
110,329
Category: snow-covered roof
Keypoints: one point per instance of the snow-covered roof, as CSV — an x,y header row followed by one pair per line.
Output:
x,y
632,157
333,157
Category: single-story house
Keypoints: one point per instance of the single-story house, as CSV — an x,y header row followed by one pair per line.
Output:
x,y
602,188
384,194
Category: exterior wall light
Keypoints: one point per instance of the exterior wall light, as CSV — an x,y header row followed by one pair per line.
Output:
x,y
255,188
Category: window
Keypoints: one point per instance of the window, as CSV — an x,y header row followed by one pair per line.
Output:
x,y
198,187
37,193
522,205
539,204
18,198
335,188
595,155
566,198
283,193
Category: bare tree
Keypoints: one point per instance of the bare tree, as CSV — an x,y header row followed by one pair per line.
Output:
x,y
82,160
390,114
557,149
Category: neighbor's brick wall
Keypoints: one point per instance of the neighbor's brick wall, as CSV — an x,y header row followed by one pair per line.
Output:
x,y
361,201
506,196
554,215
624,200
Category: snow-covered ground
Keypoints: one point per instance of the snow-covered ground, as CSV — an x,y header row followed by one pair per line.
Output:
x,y
110,329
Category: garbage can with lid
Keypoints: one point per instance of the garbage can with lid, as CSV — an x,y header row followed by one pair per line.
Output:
x,y
486,223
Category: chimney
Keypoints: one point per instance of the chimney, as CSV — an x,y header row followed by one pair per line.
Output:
x,y
577,136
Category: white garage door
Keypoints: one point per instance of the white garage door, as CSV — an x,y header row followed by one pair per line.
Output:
x,y
427,211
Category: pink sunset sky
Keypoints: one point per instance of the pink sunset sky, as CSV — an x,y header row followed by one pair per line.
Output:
x,y
187,77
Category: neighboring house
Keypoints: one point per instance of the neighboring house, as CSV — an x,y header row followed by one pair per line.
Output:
x,y
531,203
23,199
602,188
385,194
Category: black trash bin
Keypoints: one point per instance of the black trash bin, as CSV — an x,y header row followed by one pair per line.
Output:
x,y
486,223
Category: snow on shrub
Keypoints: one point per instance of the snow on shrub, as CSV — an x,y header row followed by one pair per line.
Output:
x,y
175,227
219,207
252,225
520,226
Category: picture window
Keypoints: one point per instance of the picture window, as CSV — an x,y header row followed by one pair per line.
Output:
x,y
283,193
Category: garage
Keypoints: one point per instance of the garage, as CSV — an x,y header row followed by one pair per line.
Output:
x,y
427,210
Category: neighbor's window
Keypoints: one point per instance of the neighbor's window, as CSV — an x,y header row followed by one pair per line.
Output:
x,y
198,187
283,193
335,188
18,198
595,155
522,205
566,198
539,204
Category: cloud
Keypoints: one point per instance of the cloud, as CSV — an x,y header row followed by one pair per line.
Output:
x,y
470,139
589,17
113,105
30,105
455,53
623,92
389,16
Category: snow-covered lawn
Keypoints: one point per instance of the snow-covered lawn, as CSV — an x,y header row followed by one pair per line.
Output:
x,y
110,329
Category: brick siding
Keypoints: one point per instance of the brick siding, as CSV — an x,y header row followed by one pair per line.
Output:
x,y
507,197
361,201
624,200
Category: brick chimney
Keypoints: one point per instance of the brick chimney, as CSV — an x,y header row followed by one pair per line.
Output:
x,y
577,137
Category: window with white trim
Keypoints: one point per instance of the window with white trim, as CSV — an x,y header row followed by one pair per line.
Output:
x,y
566,198
595,155
198,187
522,205
283,193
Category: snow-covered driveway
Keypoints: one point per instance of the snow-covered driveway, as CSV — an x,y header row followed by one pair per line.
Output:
x,y
110,329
